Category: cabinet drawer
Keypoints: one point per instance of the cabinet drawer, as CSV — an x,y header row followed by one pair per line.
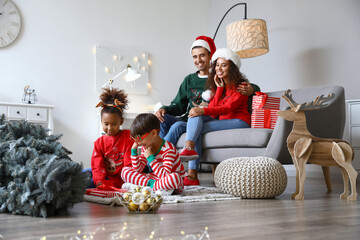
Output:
x,y
17,113
37,115
3,110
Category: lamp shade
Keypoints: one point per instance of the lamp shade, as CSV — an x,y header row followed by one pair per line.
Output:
x,y
131,75
248,37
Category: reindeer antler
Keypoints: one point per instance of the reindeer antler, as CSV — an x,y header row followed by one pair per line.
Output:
x,y
288,98
319,102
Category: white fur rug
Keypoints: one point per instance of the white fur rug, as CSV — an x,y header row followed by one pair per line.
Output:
x,y
188,195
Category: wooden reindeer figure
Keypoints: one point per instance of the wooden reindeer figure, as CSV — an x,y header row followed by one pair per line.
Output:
x,y
306,148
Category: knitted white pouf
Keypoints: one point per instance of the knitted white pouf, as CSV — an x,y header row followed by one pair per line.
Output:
x,y
251,177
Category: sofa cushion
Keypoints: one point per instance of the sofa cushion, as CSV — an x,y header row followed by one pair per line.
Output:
x,y
239,137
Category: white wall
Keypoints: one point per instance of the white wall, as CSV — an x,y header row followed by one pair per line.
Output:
x,y
312,42
54,55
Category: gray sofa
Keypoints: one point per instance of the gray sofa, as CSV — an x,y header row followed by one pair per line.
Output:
x,y
327,122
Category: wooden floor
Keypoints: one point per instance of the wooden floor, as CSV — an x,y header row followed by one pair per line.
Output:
x,y
321,215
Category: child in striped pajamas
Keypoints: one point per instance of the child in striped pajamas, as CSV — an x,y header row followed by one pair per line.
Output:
x,y
166,172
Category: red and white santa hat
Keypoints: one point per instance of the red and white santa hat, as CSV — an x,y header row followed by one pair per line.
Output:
x,y
205,42
228,55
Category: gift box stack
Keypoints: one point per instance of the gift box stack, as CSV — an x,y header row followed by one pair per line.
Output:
x,y
265,108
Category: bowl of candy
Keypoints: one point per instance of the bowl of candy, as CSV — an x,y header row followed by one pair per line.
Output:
x,y
141,200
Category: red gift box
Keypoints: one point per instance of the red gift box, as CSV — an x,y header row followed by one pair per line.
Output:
x,y
264,118
104,193
263,101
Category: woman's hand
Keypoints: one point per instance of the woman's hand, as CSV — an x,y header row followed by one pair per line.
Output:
x,y
218,81
196,111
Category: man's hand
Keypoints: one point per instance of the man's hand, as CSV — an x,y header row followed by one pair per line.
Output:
x,y
246,89
160,114
196,111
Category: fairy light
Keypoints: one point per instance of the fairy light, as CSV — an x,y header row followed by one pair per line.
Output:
x,y
107,70
136,59
149,62
126,235
94,50
115,57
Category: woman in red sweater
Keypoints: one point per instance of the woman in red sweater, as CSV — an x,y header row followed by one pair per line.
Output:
x,y
227,109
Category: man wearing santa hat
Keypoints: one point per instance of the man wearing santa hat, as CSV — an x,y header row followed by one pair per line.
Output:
x,y
173,118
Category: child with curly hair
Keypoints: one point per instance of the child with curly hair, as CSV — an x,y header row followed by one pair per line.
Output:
x,y
112,150
162,158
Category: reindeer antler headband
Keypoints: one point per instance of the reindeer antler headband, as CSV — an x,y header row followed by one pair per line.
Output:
x,y
116,104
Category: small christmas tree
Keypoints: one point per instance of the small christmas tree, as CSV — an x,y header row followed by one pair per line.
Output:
x,y
37,176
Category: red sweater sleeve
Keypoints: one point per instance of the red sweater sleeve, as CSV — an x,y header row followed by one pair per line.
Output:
x,y
225,106
97,164
139,162
127,150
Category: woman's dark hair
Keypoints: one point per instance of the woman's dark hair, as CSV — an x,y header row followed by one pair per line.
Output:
x,y
235,77
108,96
144,123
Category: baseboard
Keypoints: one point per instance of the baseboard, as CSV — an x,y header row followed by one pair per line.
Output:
x,y
313,171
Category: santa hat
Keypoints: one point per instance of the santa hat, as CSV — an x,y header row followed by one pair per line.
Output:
x,y
205,42
228,55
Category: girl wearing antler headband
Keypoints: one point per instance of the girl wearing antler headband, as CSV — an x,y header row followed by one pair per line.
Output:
x,y
112,150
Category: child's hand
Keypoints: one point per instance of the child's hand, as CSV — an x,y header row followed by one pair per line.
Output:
x,y
135,145
148,152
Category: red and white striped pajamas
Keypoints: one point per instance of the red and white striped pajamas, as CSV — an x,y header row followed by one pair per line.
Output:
x,y
168,171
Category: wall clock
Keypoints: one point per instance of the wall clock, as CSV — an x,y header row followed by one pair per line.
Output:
x,y
10,22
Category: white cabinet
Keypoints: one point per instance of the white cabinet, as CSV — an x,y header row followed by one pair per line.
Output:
x,y
353,129
34,113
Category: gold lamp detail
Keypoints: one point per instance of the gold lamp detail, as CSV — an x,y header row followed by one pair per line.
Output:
x,y
248,37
